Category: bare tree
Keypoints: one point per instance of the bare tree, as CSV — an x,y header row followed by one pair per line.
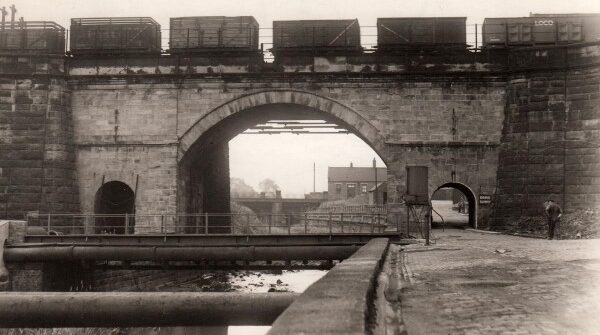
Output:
x,y
269,186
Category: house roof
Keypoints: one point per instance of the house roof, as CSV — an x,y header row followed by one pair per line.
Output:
x,y
356,174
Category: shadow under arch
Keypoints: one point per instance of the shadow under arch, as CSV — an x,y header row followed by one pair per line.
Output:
x,y
114,198
328,109
469,194
203,170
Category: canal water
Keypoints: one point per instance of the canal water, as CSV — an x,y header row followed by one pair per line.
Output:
x,y
288,281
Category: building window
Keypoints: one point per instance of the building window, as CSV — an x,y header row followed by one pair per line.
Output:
x,y
338,188
350,190
363,188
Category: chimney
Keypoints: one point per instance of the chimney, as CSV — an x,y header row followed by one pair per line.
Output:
x,y
278,194
351,165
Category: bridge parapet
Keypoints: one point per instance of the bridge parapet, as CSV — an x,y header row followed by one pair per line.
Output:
x,y
339,302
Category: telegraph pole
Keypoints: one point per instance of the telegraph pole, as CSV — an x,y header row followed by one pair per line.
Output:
x,y
314,176
376,196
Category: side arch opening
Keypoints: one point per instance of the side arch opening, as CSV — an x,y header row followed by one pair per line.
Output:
x,y
113,200
456,203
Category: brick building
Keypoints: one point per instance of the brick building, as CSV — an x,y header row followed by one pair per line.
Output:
x,y
348,182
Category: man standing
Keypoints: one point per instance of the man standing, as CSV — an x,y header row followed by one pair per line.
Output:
x,y
553,213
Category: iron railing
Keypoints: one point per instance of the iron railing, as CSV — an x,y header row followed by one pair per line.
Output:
x,y
207,223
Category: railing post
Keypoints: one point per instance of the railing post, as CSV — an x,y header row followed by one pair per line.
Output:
x,y
49,216
270,221
126,224
162,224
372,224
27,223
428,225
330,218
197,223
305,223
342,221
407,221
205,223
290,224
248,231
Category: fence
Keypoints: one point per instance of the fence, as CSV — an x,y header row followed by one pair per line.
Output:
x,y
205,223
340,208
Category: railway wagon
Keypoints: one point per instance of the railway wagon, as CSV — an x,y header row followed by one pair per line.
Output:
x,y
115,35
33,36
213,33
543,29
419,32
316,35
590,24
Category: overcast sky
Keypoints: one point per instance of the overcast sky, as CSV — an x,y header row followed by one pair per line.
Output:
x,y
288,159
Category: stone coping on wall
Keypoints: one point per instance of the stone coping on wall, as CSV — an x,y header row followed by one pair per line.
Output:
x,y
341,301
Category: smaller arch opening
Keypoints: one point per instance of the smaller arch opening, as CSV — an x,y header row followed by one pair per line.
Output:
x,y
113,200
454,205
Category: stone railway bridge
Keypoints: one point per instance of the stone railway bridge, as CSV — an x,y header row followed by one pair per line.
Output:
x,y
151,132
521,126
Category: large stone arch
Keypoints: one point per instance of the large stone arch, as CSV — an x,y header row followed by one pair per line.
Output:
x,y
346,116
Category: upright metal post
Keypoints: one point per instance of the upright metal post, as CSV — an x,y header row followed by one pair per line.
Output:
x,y
305,223
162,223
290,224
248,223
4,13
476,37
407,221
376,191
206,223
126,223
372,223
427,224
13,11
330,218
49,216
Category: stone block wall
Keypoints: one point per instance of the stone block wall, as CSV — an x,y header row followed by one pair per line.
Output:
x,y
37,156
140,128
551,136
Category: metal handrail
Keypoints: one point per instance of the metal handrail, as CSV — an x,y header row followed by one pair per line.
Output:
x,y
203,223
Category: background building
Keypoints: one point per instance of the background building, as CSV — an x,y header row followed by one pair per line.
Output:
x,y
348,182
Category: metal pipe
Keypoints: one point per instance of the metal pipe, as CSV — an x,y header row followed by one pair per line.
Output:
x,y
139,309
151,253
